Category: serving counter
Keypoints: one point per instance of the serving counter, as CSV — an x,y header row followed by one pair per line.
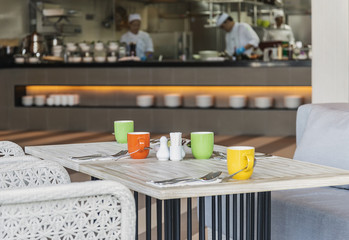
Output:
x,y
108,92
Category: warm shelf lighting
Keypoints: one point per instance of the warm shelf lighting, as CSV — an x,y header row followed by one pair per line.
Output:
x,y
185,90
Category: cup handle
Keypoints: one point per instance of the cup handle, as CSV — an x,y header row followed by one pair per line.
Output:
x,y
249,162
141,143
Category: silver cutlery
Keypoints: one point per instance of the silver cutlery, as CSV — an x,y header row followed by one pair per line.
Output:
x,y
116,156
207,177
232,175
225,179
88,157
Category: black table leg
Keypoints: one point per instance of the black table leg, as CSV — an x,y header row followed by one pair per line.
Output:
x,y
267,215
136,203
176,219
248,216
227,216
168,220
189,220
213,199
219,211
159,218
253,212
241,216
260,216
148,217
235,219
201,218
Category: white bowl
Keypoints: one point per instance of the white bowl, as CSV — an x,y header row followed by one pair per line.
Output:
x,y
292,101
87,59
33,60
72,48
113,47
19,60
76,59
263,102
145,100
27,100
173,100
100,59
237,101
111,59
208,54
204,101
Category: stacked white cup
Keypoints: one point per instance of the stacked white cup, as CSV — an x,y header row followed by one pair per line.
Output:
x,y
27,100
145,100
263,102
293,101
39,100
204,101
237,101
173,100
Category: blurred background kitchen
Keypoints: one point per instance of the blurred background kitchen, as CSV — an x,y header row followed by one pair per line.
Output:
x,y
181,30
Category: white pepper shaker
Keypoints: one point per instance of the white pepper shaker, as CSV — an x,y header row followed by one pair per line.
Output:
x,y
163,154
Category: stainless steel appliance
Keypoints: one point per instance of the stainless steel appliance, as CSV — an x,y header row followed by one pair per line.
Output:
x,y
173,45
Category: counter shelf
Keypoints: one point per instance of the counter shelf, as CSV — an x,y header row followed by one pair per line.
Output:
x,y
97,113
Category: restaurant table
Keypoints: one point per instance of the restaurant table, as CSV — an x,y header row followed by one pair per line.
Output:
x,y
251,219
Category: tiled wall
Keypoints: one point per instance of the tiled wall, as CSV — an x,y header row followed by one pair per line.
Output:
x,y
222,121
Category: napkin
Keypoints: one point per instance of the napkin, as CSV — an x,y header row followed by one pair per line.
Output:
x,y
184,183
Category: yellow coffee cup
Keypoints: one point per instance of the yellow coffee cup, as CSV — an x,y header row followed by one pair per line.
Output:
x,y
240,158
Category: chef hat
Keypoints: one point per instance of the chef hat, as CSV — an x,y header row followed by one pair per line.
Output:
x,y
134,16
221,19
278,13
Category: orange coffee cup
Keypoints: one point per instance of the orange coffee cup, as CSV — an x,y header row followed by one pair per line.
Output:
x,y
138,144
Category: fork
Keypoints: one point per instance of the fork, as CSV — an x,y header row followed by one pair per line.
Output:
x,y
88,157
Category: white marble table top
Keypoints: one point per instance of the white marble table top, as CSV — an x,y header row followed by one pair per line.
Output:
x,y
270,174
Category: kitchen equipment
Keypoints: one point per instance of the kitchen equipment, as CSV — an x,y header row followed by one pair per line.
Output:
x,y
173,45
52,41
99,52
34,44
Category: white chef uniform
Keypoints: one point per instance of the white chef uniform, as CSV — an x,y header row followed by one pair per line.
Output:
x,y
284,33
241,35
143,42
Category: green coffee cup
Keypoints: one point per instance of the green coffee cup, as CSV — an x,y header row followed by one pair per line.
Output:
x,y
121,128
202,144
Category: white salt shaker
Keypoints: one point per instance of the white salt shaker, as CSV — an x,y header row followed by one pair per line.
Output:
x,y
163,154
176,150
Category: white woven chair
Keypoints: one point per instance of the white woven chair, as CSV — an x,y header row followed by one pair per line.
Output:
x,y
8,148
88,210
26,171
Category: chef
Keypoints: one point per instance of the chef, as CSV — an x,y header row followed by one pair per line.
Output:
x,y
240,38
279,31
144,44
